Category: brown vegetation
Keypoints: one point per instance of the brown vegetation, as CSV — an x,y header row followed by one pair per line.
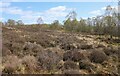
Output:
x,y
36,49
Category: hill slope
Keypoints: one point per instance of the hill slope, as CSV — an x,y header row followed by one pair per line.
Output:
x,y
34,49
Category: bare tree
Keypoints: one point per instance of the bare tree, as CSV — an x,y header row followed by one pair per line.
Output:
x,y
72,15
40,20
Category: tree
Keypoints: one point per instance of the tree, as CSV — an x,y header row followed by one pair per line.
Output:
x,y
55,25
19,22
71,22
40,20
108,10
11,22
72,15
82,25
67,24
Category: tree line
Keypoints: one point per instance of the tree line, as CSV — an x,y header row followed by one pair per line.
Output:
x,y
106,24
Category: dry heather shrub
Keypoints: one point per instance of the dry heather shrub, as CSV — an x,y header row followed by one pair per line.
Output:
x,y
85,64
73,55
48,59
86,46
31,48
68,42
70,72
11,64
16,48
30,63
100,46
70,65
77,56
109,51
5,51
98,56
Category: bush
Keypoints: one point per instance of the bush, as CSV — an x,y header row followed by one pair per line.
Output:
x,y
31,48
30,63
98,56
73,56
68,42
69,72
109,51
48,59
86,46
16,49
85,64
70,65
11,64
77,56
100,46
5,51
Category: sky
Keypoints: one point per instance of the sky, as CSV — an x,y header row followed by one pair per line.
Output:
x,y
29,12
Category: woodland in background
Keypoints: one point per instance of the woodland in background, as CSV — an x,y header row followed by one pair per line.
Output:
x,y
75,47
106,24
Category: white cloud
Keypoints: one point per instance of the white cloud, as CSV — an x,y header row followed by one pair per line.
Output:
x,y
96,12
58,8
4,4
102,10
31,16
56,11
1,18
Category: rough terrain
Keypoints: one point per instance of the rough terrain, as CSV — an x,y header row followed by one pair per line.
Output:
x,y
37,50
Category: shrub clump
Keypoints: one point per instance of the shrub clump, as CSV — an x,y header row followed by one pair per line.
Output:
x,y
86,46
109,51
85,64
30,63
31,48
73,56
48,59
98,56
69,72
70,65
11,64
5,51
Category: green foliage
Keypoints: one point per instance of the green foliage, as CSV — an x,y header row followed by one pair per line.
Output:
x,y
55,25
106,24
19,22
10,22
